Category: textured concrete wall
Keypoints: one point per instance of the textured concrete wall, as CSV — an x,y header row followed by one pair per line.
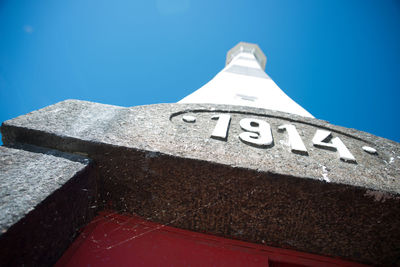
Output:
x,y
162,163
45,197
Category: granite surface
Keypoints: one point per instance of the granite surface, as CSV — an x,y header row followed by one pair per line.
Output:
x,y
75,126
152,163
45,197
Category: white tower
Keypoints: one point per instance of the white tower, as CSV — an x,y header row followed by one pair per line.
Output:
x,y
244,82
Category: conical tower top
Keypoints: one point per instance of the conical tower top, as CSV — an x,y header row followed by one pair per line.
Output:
x,y
244,47
244,82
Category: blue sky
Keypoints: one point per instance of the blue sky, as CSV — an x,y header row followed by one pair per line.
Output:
x,y
340,60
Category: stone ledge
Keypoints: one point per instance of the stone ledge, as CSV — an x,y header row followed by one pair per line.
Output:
x,y
154,164
79,126
45,196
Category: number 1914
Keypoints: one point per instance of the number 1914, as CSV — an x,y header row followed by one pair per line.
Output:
x,y
258,133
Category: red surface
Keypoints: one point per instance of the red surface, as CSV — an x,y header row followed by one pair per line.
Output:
x,y
117,240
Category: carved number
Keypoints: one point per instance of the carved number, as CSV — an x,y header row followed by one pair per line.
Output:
x,y
296,144
258,132
320,138
222,126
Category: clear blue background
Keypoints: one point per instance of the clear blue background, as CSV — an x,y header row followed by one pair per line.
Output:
x,y
338,59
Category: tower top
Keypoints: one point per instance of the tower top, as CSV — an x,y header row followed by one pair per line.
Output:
x,y
244,47
244,82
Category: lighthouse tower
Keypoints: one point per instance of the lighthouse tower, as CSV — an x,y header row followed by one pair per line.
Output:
x,y
244,82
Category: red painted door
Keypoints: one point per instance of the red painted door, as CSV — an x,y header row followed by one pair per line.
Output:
x,y
116,240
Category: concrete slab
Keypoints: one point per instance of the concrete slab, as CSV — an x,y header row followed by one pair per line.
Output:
x,y
45,196
154,163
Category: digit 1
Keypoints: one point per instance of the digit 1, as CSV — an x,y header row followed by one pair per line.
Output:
x,y
258,132
320,138
221,128
296,144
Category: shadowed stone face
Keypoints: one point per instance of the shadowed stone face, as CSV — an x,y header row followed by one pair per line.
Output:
x,y
45,197
252,174
28,177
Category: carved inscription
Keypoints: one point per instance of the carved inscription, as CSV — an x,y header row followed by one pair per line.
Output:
x,y
258,133
222,126
295,142
320,140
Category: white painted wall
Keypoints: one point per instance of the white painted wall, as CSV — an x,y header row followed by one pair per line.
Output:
x,y
243,82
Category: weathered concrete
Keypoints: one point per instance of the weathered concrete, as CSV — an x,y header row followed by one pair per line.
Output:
x,y
153,163
45,196
77,126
